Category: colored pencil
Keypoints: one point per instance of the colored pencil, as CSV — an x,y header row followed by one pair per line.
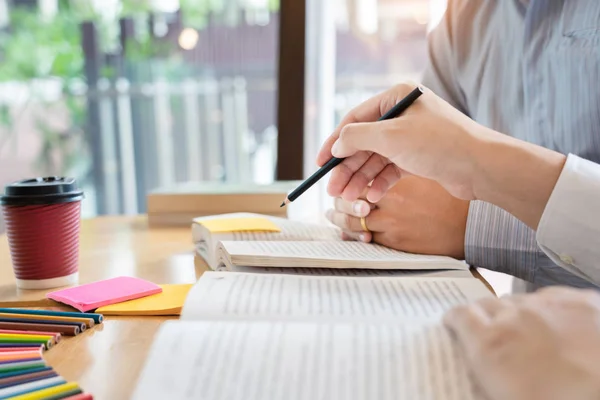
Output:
x,y
81,396
8,346
42,333
48,343
66,329
98,318
28,377
61,396
89,322
30,387
29,335
82,326
32,358
6,350
62,391
8,354
21,365
25,371
21,355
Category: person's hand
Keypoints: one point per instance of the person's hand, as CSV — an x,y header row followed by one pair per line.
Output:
x,y
537,346
380,152
435,141
416,215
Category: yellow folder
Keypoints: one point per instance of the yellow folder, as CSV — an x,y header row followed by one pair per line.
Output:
x,y
168,302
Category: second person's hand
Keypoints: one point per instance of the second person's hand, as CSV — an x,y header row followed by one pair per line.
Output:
x,y
542,346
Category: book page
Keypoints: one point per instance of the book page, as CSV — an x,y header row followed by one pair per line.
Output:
x,y
326,298
339,254
441,273
218,360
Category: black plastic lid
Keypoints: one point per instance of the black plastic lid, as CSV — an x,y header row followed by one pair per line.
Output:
x,y
47,190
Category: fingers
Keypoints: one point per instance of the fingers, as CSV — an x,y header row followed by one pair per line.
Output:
x,y
381,137
346,222
387,178
467,322
369,111
350,224
358,208
366,237
324,154
492,306
342,174
366,111
363,176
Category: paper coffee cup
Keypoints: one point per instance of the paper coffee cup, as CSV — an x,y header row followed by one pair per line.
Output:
x,y
42,218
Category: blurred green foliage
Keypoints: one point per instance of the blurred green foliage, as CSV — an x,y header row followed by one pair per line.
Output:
x,y
35,47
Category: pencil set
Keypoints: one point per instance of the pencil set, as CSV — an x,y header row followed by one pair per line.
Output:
x,y
24,375
24,335
42,326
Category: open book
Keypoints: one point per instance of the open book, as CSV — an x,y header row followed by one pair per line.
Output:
x,y
272,336
304,247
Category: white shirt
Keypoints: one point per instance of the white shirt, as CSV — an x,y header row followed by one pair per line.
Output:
x,y
569,230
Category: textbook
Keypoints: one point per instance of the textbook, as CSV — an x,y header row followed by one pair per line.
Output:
x,y
282,336
264,241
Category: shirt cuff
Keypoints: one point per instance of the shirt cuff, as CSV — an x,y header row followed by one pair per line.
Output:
x,y
569,230
496,240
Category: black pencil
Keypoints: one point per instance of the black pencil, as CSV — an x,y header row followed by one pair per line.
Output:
x,y
395,111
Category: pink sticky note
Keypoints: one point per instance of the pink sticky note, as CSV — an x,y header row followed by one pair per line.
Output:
x,y
102,293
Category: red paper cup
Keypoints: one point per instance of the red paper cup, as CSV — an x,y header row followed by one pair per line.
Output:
x,y
42,218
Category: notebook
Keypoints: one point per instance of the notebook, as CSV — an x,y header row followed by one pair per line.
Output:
x,y
279,336
283,243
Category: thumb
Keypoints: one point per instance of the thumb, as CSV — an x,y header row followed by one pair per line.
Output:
x,y
380,137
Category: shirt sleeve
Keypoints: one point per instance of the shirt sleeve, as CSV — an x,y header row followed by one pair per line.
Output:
x,y
496,240
569,230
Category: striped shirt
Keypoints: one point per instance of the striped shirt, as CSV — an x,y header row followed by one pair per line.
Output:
x,y
530,69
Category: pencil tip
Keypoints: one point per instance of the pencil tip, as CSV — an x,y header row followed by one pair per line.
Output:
x,y
282,204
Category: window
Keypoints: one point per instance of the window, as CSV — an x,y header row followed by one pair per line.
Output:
x,y
356,49
131,95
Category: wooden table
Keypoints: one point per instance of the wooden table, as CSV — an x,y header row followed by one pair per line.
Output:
x,y
107,360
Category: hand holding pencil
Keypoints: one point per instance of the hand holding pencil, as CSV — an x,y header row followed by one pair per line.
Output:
x,y
387,108
432,140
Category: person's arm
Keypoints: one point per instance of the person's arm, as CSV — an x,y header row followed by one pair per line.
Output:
x,y
435,141
494,239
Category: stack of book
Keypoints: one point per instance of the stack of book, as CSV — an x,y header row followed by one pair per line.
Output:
x,y
179,204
